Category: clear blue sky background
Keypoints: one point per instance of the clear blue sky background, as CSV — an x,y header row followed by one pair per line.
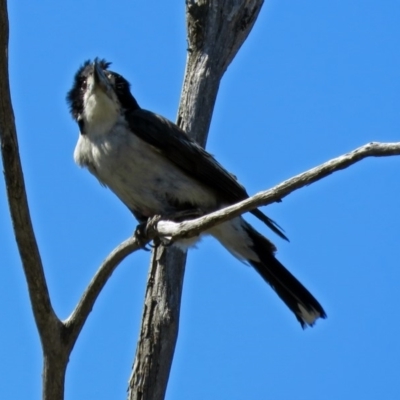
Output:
x,y
314,80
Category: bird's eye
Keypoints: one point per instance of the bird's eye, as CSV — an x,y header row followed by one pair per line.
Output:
x,y
83,85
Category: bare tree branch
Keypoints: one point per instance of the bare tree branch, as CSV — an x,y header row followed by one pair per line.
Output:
x,y
171,231
17,199
78,317
216,29
55,356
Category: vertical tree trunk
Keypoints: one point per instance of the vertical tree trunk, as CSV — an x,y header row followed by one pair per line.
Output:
x,y
53,378
160,323
216,30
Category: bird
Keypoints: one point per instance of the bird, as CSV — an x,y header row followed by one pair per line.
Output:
x,y
156,169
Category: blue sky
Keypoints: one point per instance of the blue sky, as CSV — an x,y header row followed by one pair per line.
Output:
x,y
313,81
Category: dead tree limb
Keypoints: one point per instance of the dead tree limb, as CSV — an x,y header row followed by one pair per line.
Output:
x,y
216,30
49,326
171,231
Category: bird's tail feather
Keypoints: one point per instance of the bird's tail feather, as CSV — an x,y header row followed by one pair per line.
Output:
x,y
259,252
300,301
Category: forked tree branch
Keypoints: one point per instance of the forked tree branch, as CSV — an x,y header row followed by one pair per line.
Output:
x,y
169,231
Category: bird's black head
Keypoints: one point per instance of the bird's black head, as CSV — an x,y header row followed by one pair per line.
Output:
x,y
94,81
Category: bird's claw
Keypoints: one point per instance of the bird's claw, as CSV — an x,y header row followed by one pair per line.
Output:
x,y
140,235
143,231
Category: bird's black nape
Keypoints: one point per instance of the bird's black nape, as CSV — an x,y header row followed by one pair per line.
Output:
x,y
122,89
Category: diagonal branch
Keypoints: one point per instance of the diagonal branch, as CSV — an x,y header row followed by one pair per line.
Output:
x,y
78,317
171,231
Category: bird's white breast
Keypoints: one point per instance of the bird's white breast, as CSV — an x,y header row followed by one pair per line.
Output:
x,y
137,172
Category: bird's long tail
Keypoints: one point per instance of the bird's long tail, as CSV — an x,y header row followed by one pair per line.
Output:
x,y
241,239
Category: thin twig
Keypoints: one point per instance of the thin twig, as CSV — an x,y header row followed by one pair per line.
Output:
x,y
78,317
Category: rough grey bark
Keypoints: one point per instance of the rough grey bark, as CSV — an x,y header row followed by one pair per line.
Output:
x,y
216,29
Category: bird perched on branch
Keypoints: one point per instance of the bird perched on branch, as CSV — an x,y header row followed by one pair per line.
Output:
x,y
157,170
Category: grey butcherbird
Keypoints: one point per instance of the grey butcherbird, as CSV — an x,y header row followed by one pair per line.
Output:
x,y
156,169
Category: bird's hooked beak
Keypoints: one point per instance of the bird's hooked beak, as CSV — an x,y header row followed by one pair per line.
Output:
x,y
100,80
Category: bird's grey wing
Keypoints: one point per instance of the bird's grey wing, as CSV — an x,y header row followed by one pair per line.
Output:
x,y
186,154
